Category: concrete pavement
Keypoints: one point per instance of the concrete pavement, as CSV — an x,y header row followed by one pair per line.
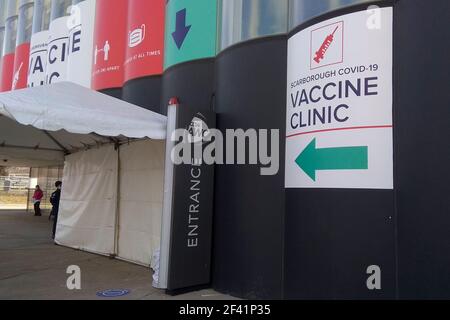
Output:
x,y
32,267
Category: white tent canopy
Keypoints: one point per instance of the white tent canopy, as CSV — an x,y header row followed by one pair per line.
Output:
x,y
38,126
113,156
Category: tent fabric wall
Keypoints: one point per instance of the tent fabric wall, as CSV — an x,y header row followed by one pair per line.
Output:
x,y
90,217
141,200
87,216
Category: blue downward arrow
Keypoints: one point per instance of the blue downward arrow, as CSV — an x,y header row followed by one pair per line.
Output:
x,y
181,30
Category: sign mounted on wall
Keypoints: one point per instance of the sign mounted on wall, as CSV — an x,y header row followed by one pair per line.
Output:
x,y
57,54
190,31
20,73
7,72
81,38
145,39
339,104
38,59
109,44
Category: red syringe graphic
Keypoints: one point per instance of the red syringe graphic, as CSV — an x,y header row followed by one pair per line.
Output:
x,y
320,54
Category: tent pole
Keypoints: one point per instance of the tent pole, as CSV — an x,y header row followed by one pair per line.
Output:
x,y
59,144
28,190
166,222
117,216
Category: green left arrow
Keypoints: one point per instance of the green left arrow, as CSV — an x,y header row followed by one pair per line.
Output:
x,y
312,159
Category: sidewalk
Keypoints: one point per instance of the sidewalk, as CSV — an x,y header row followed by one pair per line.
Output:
x,y
12,207
32,267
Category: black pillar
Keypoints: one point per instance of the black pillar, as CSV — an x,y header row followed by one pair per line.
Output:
x,y
249,208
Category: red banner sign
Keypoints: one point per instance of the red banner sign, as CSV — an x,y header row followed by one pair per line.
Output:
x,y
109,44
20,73
7,72
145,38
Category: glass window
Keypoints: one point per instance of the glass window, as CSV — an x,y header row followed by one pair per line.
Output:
x,y
60,8
11,8
25,23
9,41
41,15
2,13
2,36
242,20
9,44
302,10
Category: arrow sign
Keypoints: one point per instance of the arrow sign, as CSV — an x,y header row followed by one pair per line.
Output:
x,y
181,29
312,159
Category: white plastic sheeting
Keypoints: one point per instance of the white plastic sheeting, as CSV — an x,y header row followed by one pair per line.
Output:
x,y
94,219
87,214
141,197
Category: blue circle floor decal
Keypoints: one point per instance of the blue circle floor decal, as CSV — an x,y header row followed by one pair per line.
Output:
x,y
113,293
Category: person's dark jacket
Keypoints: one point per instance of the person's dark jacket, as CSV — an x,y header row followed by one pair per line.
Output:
x,y
54,200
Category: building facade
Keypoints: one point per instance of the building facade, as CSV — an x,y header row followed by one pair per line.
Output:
x,y
335,77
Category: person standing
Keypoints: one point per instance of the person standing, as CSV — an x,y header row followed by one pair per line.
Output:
x,y
37,198
54,200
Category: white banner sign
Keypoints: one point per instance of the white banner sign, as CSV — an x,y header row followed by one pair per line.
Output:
x,y
339,103
58,50
38,59
81,43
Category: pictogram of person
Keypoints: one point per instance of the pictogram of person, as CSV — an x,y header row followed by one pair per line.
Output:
x,y
106,49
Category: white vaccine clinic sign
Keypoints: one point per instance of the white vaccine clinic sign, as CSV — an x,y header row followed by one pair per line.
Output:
x,y
339,103
57,50
81,43
38,59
